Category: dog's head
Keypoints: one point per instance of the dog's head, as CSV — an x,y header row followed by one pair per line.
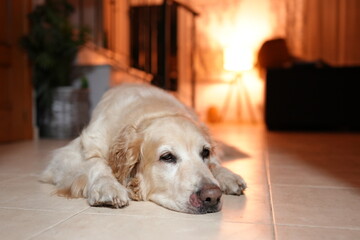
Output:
x,y
167,160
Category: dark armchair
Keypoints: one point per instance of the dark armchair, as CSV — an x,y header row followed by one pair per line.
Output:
x,y
308,96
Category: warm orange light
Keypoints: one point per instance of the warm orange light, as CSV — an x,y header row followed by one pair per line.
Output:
x,y
236,32
238,59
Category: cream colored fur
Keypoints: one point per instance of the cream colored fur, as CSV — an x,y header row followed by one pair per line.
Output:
x,y
117,156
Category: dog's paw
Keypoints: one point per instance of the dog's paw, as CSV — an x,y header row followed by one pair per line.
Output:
x,y
231,183
108,192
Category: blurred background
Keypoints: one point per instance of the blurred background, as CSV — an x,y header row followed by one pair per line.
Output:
x,y
286,64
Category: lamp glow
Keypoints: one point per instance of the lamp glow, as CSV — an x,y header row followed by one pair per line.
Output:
x,y
237,59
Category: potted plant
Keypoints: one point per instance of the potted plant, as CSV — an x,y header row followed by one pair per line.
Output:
x,y
52,45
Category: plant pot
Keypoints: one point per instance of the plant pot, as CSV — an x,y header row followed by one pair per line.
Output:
x,y
68,114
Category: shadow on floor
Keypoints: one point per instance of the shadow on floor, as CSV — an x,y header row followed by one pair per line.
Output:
x,y
227,152
336,154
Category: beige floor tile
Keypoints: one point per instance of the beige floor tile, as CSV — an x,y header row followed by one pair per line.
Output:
x,y
332,170
253,207
341,162
250,162
7,177
315,176
95,226
28,193
314,206
313,143
249,139
26,157
252,170
314,233
22,224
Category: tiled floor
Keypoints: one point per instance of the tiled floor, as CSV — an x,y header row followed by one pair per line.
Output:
x,y
301,186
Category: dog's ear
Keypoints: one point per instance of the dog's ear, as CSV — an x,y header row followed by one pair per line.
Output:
x,y
124,155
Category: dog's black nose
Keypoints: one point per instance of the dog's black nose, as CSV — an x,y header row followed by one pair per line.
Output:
x,y
210,195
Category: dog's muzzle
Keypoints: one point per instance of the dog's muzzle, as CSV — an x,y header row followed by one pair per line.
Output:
x,y
207,199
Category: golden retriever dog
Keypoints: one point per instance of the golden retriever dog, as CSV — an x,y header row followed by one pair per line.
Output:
x,y
143,144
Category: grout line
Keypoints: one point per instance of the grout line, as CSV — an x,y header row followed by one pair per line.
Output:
x,y
39,210
316,226
13,177
56,224
268,178
179,217
314,186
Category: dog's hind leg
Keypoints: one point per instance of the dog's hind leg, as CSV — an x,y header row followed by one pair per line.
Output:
x,y
65,171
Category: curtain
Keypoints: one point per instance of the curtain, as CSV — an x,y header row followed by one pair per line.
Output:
x,y
325,30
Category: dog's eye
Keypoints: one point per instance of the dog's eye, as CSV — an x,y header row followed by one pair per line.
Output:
x,y
168,157
205,153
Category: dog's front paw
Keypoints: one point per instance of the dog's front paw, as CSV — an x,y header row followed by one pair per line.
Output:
x,y
108,192
231,183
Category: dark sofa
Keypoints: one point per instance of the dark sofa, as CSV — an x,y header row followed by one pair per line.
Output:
x,y
308,97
